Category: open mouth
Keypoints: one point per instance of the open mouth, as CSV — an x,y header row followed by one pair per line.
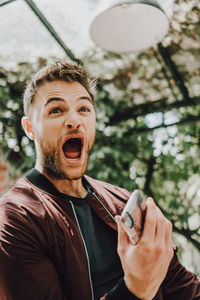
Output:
x,y
72,148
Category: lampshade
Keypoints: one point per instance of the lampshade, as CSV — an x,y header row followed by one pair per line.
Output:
x,y
122,26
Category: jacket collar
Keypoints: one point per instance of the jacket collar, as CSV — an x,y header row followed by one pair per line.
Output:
x,y
41,182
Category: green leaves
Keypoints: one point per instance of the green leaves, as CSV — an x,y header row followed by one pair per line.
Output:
x,y
137,93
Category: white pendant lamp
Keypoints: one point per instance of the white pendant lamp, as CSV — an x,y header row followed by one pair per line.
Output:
x,y
122,26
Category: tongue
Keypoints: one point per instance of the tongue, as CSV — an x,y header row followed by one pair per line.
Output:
x,y
71,150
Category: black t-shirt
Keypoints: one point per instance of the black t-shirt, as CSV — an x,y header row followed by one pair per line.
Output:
x,y
101,243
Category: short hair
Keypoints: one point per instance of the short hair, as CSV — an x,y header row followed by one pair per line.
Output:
x,y
59,70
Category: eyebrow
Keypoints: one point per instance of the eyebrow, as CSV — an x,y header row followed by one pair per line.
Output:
x,y
53,99
61,99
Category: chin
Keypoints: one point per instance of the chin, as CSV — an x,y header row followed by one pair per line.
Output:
x,y
75,173
58,167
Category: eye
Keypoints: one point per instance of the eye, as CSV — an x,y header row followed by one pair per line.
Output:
x,y
84,109
55,110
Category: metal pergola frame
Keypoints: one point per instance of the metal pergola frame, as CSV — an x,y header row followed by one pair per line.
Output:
x,y
48,26
142,109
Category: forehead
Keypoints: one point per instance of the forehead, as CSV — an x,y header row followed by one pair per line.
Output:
x,y
66,90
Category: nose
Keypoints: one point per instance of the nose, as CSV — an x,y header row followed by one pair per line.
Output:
x,y
72,123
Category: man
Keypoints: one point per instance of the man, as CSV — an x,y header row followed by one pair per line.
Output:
x,y
58,231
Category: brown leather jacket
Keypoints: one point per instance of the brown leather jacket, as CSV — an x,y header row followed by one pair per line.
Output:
x,y
42,255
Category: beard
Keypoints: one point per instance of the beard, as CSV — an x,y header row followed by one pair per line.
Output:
x,y
52,165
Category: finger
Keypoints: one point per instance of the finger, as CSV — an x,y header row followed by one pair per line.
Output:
x,y
149,230
123,239
168,234
168,238
160,236
163,231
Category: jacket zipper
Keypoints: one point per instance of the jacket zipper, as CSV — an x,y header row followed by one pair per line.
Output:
x,y
86,252
104,207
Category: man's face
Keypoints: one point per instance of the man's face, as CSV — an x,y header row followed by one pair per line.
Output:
x,y
63,120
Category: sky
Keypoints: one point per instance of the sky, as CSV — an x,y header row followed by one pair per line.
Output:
x,y
23,37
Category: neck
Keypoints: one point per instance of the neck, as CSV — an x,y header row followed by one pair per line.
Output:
x,y
72,187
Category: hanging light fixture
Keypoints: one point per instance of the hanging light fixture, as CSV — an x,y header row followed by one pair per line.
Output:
x,y
122,26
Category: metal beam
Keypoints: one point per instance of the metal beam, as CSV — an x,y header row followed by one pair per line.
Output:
x,y
162,105
6,2
51,30
174,71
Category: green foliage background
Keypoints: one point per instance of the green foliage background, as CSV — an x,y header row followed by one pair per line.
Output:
x,y
156,151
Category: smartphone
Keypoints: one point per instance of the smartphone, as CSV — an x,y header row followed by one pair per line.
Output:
x,y
133,216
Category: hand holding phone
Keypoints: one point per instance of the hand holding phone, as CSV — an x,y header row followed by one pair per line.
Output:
x,y
133,216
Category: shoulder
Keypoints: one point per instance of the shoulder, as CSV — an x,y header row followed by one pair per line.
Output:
x,y
22,218
22,198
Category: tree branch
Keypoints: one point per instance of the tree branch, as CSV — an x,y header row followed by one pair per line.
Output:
x,y
187,234
149,175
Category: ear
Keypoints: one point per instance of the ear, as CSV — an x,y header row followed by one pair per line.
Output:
x,y
26,124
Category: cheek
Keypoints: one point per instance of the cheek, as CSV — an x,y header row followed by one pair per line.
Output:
x,y
91,128
48,129
92,121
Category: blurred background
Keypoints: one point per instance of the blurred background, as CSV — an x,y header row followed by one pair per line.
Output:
x,y
147,104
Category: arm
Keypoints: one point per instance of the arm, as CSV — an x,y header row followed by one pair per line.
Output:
x,y
120,292
180,283
145,265
151,268
25,270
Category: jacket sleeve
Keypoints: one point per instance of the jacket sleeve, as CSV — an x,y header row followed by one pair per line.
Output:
x,y
26,272
179,283
120,292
